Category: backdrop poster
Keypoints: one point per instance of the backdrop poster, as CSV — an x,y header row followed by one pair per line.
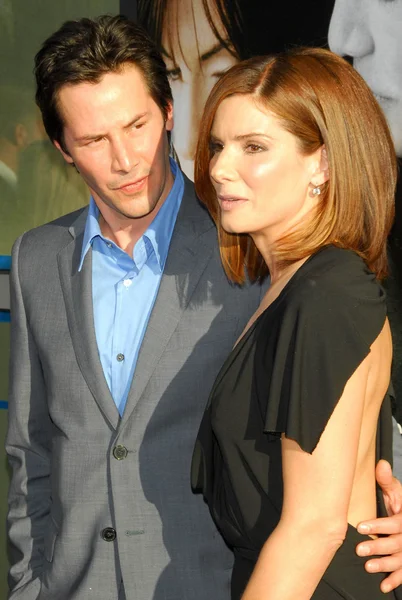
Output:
x,y
200,39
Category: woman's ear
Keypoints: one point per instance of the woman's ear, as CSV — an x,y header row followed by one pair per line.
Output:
x,y
321,173
324,165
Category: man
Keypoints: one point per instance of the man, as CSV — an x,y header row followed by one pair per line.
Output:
x,y
122,317
19,126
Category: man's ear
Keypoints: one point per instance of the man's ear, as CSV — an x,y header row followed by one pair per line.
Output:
x,y
169,118
65,155
21,136
321,173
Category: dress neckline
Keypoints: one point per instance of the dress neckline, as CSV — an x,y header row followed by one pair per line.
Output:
x,y
282,294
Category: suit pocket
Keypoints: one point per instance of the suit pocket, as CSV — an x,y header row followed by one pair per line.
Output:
x,y
50,541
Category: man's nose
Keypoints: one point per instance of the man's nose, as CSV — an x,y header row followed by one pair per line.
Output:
x,y
123,156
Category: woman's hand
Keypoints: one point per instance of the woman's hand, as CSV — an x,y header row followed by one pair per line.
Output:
x,y
389,547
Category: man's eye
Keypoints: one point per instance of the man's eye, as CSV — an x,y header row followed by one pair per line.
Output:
x,y
95,141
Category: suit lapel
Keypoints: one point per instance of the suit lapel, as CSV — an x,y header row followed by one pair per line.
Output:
x,y
77,292
189,253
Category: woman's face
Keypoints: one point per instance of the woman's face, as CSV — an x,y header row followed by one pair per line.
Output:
x,y
262,181
370,31
195,60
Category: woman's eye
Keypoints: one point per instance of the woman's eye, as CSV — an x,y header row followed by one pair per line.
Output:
x,y
254,148
214,147
174,74
218,74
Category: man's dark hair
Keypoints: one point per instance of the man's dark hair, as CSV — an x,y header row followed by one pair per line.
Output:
x,y
84,51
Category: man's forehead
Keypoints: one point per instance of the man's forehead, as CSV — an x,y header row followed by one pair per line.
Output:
x,y
121,89
127,75
83,109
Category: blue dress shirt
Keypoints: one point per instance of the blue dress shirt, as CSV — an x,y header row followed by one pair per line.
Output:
x,y
124,288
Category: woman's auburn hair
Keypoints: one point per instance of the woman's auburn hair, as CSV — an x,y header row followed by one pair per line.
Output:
x,y
322,100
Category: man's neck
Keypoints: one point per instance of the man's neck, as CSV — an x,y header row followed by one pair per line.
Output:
x,y
126,234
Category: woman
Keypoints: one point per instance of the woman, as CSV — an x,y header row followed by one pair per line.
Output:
x,y
301,188
201,39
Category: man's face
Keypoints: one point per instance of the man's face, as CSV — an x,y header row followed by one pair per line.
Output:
x,y
115,134
370,31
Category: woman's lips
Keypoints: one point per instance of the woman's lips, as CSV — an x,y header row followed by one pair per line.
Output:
x,y
230,203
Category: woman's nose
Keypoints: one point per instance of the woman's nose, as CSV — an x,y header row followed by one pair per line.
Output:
x,y
222,166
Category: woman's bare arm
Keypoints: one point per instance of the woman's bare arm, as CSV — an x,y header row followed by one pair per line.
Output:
x,y
317,492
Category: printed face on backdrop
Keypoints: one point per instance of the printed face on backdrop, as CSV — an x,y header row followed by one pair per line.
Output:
x,y
115,135
195,59
370,31
262,181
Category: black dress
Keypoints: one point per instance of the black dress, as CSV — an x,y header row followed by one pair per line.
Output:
x,y
287,374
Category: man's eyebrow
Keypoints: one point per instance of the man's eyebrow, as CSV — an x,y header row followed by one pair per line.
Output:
x,y
205,56
93,136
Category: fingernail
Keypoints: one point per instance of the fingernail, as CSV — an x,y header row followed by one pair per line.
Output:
x,y
363,550
386,587
364,528
372,566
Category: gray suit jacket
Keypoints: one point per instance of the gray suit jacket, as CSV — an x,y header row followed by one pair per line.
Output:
x,y
94,498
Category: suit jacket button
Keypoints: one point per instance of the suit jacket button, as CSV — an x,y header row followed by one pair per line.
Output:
x,y
108,534
120,452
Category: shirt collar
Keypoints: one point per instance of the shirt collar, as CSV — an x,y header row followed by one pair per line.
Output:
x,y
159,231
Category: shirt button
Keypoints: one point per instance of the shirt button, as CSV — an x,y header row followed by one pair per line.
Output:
x,y
127,283
120,357
120,452
108,534
109,245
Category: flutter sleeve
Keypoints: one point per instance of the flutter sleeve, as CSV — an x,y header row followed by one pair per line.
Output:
x,y
325,334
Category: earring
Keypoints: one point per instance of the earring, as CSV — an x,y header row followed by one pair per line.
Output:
x,y
316,190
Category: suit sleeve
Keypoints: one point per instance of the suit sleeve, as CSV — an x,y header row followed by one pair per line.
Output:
x,y
28,448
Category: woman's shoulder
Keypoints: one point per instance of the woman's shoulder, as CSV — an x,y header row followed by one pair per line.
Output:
x,y
336,292
336,277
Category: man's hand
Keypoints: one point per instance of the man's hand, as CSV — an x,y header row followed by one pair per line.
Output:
x,y
391,546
